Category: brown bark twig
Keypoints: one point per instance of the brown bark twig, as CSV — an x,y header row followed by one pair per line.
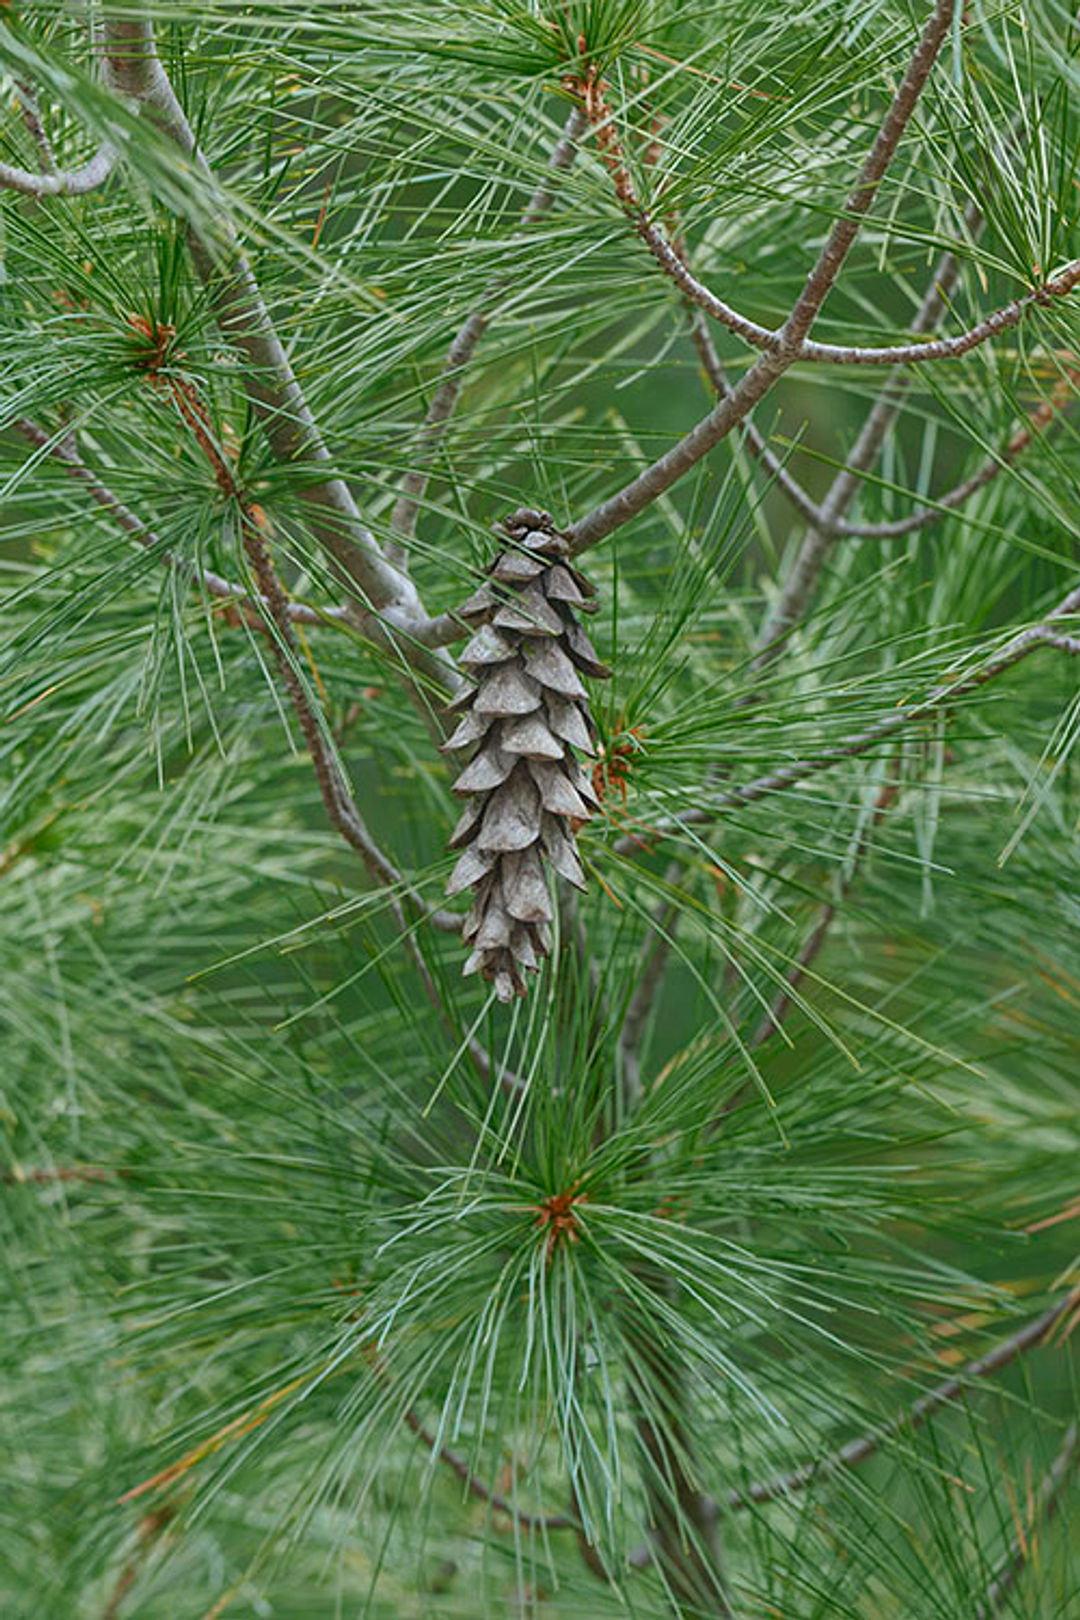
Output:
x,y
341,808
345,817
1043,1511
386,606
954,347
148,1533
781,1486
62,449
799,588
857,1451
31,113
444,400
834,527
40,1176
648,485
673,263
541,1522
1017,648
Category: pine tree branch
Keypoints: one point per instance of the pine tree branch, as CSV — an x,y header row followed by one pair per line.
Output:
x,y
542,1522
782,1486
444,401
147,1536
31,113
920,1412
912,353
58,182
63,449
389,609
925,517
339,804
801,583
40,1176
1019,647
343,814
1045,1508
673,262
635,496
799,588
338,801
815,939
833,527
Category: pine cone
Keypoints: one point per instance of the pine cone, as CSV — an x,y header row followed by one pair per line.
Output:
x,y
527,713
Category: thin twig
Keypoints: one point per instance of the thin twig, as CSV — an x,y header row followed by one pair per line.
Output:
x,y
798,590
345,817
388,609
339,804
801,583
147,1535
857,1451
528,1521
32,119
815,939
635,496
61,182
63,449
1043,1511
673,262
851,354
834,527
40,1176
1017,648
414,486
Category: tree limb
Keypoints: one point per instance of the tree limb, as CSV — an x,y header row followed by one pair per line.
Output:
x,y
528,1521
339,804
63,449
801,583
811,556
1020,646
674,264
31,113
1051,1489
853,354
445,398
635,496
857,1451
818,516
798,590
389,608
57,182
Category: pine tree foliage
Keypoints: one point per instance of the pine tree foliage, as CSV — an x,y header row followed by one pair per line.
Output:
x,y
730,1270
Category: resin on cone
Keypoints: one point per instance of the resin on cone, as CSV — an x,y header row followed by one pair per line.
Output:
x,y
526,713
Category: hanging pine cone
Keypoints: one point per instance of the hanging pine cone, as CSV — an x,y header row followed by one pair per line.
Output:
x,y
527,713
